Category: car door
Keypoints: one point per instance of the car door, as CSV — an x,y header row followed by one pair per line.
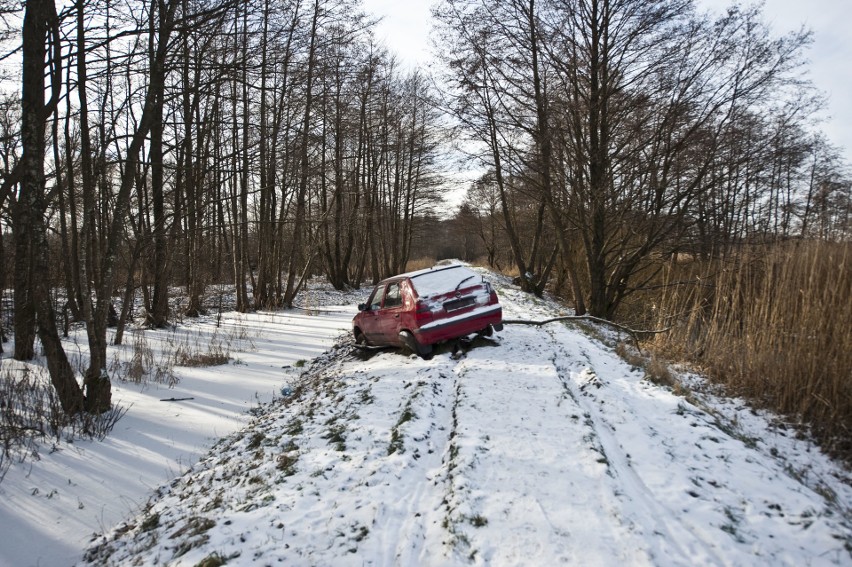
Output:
x,y
389,315
369,319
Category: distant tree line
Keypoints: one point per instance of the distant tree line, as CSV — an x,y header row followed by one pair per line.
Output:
x,y
157,143
613,133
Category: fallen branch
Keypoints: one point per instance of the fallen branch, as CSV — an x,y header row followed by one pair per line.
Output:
x,y
634,333
176,399
314,310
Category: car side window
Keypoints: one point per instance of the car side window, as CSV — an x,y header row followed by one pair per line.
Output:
x,y
376,300
393,297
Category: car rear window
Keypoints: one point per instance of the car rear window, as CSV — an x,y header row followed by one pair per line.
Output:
x,y
442,281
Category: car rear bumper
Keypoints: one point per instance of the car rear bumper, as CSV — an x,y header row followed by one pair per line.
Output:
x,y
460,325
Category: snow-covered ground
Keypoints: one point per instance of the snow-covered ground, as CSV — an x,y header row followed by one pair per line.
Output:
x,y
541,447
54,503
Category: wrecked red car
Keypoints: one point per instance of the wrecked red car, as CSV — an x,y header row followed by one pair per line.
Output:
x,y
419,309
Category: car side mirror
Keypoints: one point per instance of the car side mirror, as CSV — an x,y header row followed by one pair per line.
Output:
x,y
363,307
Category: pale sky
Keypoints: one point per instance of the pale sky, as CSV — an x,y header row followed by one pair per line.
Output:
x,y
407,23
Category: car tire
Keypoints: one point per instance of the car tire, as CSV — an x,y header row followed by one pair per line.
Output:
x,y
412,344
360,339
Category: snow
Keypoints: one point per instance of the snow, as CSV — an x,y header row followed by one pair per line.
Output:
x,y
472,314
540,447
443,280
51,506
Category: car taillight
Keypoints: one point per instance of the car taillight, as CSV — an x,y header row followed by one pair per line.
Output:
x,y
492,294
422,314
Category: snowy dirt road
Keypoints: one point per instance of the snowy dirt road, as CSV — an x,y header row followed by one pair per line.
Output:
x,y
539,448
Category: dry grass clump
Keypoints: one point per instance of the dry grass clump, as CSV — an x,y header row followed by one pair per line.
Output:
x,y
773,325
656,369
216,355
31,417
143,365
419,264
189,349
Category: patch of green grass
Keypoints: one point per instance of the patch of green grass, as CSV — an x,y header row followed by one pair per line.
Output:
x,y
185,546
335,437
826,492
295,427
407,415
214,504
151,522
731,526
212,560
454,453
256,440
396,444
732,429
361,533
287,464
194,526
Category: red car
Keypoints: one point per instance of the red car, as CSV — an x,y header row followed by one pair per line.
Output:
x,y
422,308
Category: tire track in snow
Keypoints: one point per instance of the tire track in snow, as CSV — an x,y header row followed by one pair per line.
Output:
x,y
564,511
511,456
670,539
400,482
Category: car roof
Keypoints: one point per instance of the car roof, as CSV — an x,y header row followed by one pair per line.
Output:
x,y
436,280
414,274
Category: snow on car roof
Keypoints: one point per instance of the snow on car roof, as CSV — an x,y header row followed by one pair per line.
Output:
x,y
442,279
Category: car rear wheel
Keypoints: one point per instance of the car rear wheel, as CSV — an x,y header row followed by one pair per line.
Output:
x,y
412,344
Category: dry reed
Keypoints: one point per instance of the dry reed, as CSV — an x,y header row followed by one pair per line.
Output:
x,y
419,264
775,326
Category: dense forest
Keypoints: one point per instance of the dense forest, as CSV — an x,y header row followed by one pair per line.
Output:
x,y
632,154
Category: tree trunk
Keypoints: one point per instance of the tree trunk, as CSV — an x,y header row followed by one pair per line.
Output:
x,y
295,253
31,233
158,317
97,383
24,322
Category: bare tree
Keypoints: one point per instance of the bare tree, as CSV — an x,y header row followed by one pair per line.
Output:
x,y
614,111
32,293
487,47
